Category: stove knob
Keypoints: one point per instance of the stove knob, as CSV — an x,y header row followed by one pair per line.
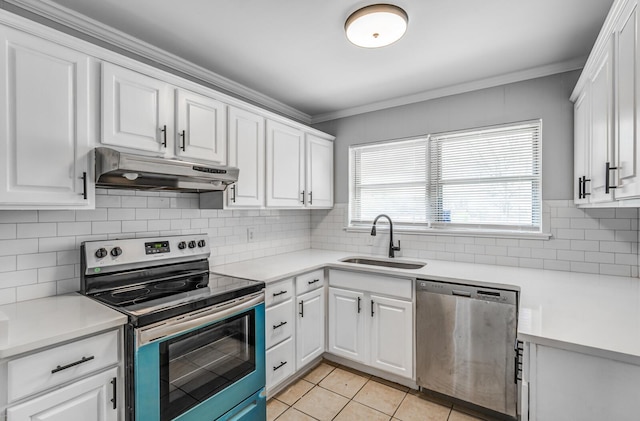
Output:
x,y
201,243
182,245
192,244
101,252
116,251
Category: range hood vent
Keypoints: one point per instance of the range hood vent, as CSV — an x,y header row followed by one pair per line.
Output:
x,y
122,170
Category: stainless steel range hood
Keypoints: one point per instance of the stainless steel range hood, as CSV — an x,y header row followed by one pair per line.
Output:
x,y
121,170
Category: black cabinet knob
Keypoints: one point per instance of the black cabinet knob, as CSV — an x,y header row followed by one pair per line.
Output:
x,y
116,251
201,243
192,244
101,252
182,245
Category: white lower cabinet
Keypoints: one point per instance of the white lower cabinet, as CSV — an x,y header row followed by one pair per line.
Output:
x,y
280,362
91,399
566,386
310,327
370,328
279,323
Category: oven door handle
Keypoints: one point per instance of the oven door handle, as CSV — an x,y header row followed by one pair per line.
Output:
x,y
185,322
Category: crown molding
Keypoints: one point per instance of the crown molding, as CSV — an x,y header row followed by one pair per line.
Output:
x,y
461,88
94,29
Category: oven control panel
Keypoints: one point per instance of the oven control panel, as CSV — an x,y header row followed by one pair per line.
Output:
x,y
120,254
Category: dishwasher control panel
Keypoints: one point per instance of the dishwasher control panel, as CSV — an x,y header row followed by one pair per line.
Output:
x,y
496,295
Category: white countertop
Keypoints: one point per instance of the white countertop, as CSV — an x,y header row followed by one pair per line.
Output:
x,y
594,314
33,324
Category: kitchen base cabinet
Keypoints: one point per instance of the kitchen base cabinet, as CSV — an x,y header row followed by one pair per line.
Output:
x,y
368,327
310,327
91,399
281,362
566,386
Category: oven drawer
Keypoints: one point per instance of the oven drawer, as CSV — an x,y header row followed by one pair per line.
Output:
x,y
280,362
309,281
279,323
46,369
278,292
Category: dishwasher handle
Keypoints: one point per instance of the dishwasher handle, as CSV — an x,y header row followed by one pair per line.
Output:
x,y
461,293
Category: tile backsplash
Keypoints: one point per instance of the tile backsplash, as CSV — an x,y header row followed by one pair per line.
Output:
x,y
603,241
39,250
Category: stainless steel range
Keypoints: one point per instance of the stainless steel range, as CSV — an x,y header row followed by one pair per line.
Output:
x,y
194,341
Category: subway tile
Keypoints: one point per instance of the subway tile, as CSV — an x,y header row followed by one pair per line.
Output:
x,y
519,252
55,244
570,213
615,224
108,202
8,231
543,254
618,270
585,267
600,213
91,215
147,214
159,225
15,216
134,202
600,235
531,263
31,292
134,226
585,245
557,265
36,230
572,255
67,286
584,223
8,263
7,296
121,214
615,247
627,213
106,227
17,247
69,257
170,213
56,273
18,278
598,257
74,228
626,259
159,202
570,234
56,216
36,260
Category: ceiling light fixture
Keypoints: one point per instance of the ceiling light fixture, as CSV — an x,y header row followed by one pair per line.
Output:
x,y
376,25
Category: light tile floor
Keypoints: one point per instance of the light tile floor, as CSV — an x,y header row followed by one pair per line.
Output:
x,y
334,392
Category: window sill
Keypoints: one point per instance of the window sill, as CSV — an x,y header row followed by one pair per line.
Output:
x,y
458,232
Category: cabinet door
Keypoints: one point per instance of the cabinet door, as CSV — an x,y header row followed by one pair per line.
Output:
x,y
87,400
246,151
285,166
310,327
392,335
347,324
201,127
136,110
44,139
581,146
602,125
627,93
319,180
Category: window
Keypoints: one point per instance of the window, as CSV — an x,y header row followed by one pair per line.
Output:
x,y
482,179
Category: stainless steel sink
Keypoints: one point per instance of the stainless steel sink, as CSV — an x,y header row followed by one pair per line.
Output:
x,y
398,264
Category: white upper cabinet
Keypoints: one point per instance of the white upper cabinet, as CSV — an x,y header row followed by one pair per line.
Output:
x,y
627,94
319,180
246,152
581,148
285,166
201,127
136,110
44,140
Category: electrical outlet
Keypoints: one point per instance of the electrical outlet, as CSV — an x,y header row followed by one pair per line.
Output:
x,y
369,240
251,234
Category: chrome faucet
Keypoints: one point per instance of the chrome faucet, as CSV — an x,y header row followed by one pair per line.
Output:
x,y
392,248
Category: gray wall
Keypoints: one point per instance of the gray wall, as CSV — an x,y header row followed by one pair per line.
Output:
x,y
546,98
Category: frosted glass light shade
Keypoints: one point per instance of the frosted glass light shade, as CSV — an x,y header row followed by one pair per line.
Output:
x,y
376,25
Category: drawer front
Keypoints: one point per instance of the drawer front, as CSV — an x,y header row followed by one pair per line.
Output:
x,y
377,284
278,292
280,362
279,323
309,281
46,369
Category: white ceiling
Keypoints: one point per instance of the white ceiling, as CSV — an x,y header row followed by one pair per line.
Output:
x,y
295,51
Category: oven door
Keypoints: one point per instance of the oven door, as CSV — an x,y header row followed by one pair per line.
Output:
x,y
201,365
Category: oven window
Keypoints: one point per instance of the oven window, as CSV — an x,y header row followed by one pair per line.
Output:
x,y
199,364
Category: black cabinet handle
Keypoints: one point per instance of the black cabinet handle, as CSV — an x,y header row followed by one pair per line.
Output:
x,y
311,198
584,187
579,187
164,135
302,194
359,308
115,392
372,313
279,325
233,197
313,282
184,140
84,185
301,308
275,294
64,367
607,176
282,363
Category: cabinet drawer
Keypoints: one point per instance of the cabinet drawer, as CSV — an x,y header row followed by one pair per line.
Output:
x,y
46,369
279,323
278,292
280,362
377,284
309,281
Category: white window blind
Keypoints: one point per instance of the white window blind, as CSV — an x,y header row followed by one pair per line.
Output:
x,y
483,179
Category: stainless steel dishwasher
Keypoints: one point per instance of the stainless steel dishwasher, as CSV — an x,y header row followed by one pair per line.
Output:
x,y
465,343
